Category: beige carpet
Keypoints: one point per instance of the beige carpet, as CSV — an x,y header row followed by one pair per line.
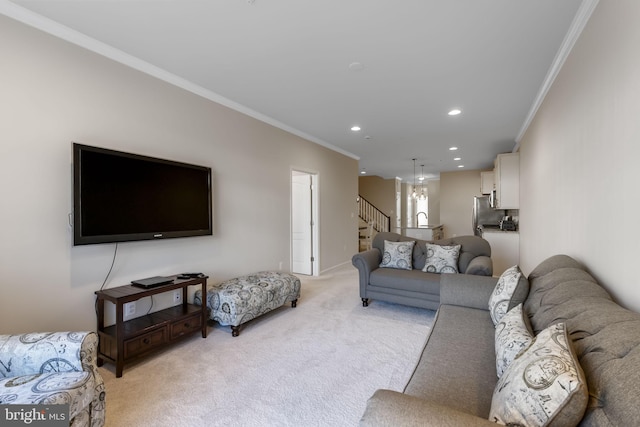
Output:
x,y
314,365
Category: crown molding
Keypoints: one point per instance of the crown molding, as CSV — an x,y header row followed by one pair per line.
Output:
x,y
579,22
75,37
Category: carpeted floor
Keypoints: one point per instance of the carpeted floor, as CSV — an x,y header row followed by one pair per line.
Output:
x,y
313,365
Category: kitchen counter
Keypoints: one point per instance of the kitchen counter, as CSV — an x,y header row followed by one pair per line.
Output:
x,y
505,248
427,232
497,230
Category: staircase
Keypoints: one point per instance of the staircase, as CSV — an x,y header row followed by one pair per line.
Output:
x,y
368,212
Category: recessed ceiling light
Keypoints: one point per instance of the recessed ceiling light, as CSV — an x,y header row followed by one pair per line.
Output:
x,y
453,148
454,112
355,128
460,166
356,66
457,158
363,172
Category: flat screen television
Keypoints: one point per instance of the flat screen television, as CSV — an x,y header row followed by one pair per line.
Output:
x,y
119,197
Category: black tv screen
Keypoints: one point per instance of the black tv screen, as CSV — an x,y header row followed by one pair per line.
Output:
x,y
120,197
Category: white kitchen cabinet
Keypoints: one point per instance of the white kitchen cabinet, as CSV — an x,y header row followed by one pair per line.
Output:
x,y
486,182
505,249
507,181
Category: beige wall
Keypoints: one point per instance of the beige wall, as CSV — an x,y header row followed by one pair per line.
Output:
x,y
433,190
381,193
54,93
579,175
456,201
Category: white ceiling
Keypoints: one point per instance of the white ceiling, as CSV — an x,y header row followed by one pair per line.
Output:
x,y
288,62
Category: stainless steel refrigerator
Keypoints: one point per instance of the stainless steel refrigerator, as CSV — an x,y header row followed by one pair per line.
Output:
x,y
484,215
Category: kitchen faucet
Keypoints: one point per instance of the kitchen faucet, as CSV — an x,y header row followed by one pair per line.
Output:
x,y
425,217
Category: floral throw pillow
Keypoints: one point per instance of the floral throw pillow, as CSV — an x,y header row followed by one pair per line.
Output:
x,y
503,292
543,386
512,337
398,255
441,259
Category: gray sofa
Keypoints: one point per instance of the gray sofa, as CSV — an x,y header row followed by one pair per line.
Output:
x,y
415,287
453,382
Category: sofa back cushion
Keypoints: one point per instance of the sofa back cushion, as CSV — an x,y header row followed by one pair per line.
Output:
x,y
470,247
606,337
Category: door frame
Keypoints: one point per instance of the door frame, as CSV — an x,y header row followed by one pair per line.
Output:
x,y
315,245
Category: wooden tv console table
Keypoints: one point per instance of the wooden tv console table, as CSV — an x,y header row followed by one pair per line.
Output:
x,y
143,335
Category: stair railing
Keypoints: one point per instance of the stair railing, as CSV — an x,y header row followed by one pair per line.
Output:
x,y
368,212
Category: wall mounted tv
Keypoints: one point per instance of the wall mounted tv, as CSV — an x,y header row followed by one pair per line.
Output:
x,y
119,197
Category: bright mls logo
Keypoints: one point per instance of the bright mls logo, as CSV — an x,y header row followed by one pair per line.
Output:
x,y
35,415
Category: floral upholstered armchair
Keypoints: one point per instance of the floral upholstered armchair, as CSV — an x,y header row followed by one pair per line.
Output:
x,y
54,368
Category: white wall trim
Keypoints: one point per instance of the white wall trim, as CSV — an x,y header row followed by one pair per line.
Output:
x,y
579,21
330,270
72,36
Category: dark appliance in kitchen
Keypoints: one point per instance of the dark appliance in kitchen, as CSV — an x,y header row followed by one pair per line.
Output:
x,y
507,224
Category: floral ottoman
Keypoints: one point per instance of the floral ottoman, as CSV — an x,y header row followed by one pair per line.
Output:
x,y
236,301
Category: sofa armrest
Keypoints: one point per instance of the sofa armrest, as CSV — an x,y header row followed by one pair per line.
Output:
x,y
89,360
33,353
390,408
467,290
366,262
480,266
58,353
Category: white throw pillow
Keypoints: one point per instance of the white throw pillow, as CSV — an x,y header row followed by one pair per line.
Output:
x,y
543,386
441,258
503,292
512,337
398,255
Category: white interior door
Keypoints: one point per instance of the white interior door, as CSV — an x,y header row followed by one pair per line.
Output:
x,y
302,223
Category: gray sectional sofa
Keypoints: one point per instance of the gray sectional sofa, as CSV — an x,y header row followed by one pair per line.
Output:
x,y
414,287
454,381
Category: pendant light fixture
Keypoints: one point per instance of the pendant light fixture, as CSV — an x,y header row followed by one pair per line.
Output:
x,y
422,195
414,194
